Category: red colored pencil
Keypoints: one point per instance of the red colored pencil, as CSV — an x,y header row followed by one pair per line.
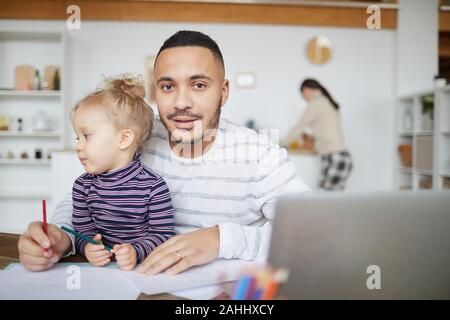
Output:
x,y
44,216
44,219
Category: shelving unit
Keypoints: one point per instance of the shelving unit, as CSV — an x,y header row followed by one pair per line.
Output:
x,y
430,141
30,93
24,182
31,162
30,134
25,194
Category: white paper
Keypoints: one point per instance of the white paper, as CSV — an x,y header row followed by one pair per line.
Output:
x,y
59,283
200,293
203,282
215,272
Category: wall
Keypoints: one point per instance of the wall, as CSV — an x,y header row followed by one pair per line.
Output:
x,y
417,45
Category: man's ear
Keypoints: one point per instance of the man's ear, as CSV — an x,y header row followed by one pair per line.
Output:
x,y
126,138
225,92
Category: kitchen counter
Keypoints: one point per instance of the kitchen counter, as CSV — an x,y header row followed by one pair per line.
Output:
x,y
308,166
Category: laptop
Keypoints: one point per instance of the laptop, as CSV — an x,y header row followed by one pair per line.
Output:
x,y
392,245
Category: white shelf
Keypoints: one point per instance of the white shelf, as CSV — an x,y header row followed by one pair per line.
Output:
x,y
28,162
415,95
25,194
38,49
31,134
405,170
407,98
42,36
424,172
30,93
424,133
438,136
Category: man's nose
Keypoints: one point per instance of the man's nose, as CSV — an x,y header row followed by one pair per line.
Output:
x,y
183,99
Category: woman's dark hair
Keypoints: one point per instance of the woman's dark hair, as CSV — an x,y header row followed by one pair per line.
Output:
x,y
314,84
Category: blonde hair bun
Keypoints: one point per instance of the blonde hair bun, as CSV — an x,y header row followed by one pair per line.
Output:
x,y
125,83
122,98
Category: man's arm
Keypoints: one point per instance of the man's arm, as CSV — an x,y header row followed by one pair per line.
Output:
x,y
280,178
63,217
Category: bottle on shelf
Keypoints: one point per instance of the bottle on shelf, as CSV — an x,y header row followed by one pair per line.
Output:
x,y
37,81
19,124
56,81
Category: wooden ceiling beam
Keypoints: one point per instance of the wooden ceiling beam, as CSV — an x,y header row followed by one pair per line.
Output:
x,y
310,15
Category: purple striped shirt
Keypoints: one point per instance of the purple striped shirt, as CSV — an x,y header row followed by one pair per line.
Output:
x,y
128,205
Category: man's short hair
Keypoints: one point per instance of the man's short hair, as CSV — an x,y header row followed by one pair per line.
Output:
x,y
185,38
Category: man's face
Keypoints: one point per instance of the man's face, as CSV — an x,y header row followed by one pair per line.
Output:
x,y
190,90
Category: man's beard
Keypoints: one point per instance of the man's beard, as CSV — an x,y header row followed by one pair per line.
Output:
x,y
210,127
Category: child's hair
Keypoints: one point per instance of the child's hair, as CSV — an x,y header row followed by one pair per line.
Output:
x,y
122,98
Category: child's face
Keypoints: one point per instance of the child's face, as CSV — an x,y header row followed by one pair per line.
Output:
x,y
97,140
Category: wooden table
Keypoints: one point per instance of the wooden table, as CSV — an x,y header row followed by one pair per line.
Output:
x,y
9,253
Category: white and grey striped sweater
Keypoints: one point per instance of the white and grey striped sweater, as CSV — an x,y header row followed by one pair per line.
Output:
x,y
233,185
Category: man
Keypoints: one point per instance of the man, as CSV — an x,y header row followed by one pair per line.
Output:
x,y
224,178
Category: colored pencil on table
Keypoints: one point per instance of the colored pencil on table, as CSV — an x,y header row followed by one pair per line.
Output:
x,y
242,288
261,283
251,289
44,219
271,291
82,236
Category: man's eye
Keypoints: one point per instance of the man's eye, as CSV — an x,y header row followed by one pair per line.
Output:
x,y
76,138
167,87
86,136
199,85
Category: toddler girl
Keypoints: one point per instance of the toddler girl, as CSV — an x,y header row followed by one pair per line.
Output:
x,y
118,201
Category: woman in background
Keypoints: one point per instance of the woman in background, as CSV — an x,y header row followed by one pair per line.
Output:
x,y
322,117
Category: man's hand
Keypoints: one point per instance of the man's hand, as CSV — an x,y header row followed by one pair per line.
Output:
x,y
126,256
96,253
182,252
34,243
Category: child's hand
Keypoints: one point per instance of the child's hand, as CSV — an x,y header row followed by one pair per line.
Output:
x,y
96,253
126,256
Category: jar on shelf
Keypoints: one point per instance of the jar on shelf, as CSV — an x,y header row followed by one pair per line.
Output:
x,y
41,122
38,154
4,123
408,120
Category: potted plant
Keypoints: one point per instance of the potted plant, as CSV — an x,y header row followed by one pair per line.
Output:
x,y
427,102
